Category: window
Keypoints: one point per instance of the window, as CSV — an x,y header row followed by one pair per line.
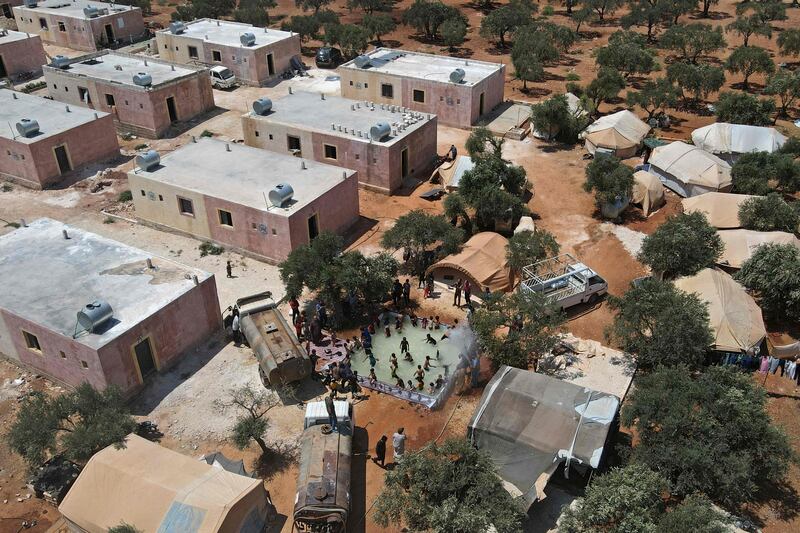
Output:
x,y
419,96
143,193
387,90
160,198
330,151
62,26
257,135
110,100
84,365
43,23
366,85
193,52
55,86
185,206
270,136
62,354
83,94
31,341
293,142
216,55
351,83
225,218
166,46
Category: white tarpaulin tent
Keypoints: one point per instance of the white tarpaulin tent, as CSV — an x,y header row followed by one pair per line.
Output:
x,y
740,244
720,208
735,318
647,192
621,132
688,170
730,140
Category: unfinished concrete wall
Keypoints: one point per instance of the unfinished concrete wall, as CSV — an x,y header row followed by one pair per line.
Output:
x,y
23,55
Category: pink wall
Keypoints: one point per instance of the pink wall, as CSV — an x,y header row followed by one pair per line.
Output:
x,y
80,34
337,211
24,55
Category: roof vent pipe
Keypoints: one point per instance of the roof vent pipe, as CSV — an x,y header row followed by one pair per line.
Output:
x,y
344,175
217,22
145,62
227,147
23,223
194,139
172,67
68,111
290,89
322,95
149,263
65,234
14,95
302,165
195,280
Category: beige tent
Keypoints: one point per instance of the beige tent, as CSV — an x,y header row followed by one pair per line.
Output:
x,y
736,320
449,172
622,133
688,170
740,244
647,191
482,260
730,140
721,208
158,490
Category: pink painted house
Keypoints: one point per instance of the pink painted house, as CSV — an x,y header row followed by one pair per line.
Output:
x,y
259,203
82,308
384,144
43,140
145,96
457,91
20,53
81,24
254,55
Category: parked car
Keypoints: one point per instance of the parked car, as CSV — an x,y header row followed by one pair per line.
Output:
x,y
328,57
222,77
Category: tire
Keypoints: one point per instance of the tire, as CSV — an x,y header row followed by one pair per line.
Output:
x,y
593,299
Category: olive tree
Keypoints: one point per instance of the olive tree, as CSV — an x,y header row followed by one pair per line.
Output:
x,y
768,213
749,60
682,246
773,272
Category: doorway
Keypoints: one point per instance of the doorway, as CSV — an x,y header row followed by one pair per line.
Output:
x,y
404,162
313,227
270,65
144,357
3,71
6,9
173,114
62,158
110,33
480,104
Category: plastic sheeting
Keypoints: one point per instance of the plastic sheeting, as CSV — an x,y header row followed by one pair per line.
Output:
x,y
741,244
688,170
724,138
449,173
720,208
622,132
647,191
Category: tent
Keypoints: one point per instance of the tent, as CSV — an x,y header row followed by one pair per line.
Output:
x,y
621,133
688,170
449,172
530,424
721,208
730,140
647,191
159,490
735,318
741,243
482,261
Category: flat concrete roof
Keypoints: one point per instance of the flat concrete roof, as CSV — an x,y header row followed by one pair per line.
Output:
x,y
74,8
228,33
9,36
310,112
48,279
425,66
119,68
52,116
245,175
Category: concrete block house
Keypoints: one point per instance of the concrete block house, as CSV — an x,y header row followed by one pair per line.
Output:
x,y
6,8
385,144
145,96
457,91
254,55
41,140
82,308
260,203
20,53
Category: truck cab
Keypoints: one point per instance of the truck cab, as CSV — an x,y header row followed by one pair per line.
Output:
x,y
222,77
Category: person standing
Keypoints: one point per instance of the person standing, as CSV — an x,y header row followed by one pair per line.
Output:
x,y
457,294
380,451
295,306
397,292
331,408
467,293
407,293
399,444
229,269
235,328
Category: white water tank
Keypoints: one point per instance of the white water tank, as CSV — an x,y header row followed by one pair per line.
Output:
x,y
262,106
457,76
143,79
60,61
380,131
177,27
362,61
27,127
94,315
281,194
147,160
247,39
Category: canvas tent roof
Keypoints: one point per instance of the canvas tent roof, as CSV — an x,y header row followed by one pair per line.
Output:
x,y
721,208
740,244
449,172
648,191
691,165
617,131
735,318
159,490
724,138
530,423
483,261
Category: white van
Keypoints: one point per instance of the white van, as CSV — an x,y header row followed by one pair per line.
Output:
x,y
222,77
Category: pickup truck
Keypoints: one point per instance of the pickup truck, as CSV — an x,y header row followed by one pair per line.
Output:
x,y
564,281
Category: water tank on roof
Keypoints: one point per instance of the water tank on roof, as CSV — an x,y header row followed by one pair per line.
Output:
x,y
177,27
143,79
31,3
380,131
27,127
147,160
362,61
91,12
94,315
247,39
262,106
60,61
457,76
281,194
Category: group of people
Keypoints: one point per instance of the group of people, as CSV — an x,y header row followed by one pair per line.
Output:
x,y
305,328
401,292
398,447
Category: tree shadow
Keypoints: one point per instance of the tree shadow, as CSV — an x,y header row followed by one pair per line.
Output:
x,y
477,6
535,92
462,52
391,43
712,15
278,458
358,230
781,498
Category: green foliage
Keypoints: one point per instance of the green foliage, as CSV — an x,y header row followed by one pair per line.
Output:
x,y
604,7
370,6
531,51
742,108
206,133
789,41
749,60
606,86
582,15
453,31
452,487
647,13
77,424
609,179
482,142
209,248
627,52
306,26
625,499
692,40
661,325
682,246
505,19
562,37
654,95
748,26
517,329
697,80
696,514
550,115
427,16
707,7
766,10
548,11
756,172
378,25
253,11
527,247
33,86
315,5
251,405
773,271
707,432
784,84
351,38
198,9
768,213
124,527
417,231
125,196
791,147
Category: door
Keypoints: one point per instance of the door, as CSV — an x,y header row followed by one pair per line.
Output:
x,y
144,357
63,159
313,227
404,162
480,104
270,65
3,71
109,33
173,114
6,9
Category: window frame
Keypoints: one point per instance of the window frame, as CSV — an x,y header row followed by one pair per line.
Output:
x,y
289,142
32,342
196,54
189,213
110,100
220,218
391,90
216,55
326,147
414,93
